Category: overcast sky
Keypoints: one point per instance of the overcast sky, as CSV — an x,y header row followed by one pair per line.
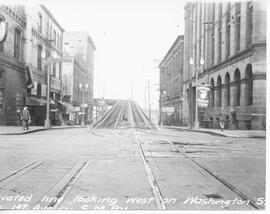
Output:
x,y
129,36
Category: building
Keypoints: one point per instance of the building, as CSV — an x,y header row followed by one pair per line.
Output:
x,y
230,37
23,74
171,77
74,75
80,46
13,80
43,34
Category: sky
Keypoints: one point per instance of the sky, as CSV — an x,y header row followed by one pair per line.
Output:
x,y
131,37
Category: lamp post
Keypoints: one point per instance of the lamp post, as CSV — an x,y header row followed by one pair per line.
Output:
x,y
191,61
48,60
83,105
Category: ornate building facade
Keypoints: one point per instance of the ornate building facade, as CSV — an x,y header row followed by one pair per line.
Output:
x,y
171,76
230,37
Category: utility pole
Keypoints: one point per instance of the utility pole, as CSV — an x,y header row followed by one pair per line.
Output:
x,y
149,100
131,88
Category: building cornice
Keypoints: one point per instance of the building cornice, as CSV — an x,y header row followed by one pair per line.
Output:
x,y
14,15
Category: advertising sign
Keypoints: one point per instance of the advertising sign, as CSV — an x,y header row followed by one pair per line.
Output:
x,y
203,96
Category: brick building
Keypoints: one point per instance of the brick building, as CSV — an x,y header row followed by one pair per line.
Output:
x,y
81,47
171,74
13,78
231,38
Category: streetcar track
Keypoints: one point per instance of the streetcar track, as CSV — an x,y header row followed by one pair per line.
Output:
x,y
217,177
19,173
62,194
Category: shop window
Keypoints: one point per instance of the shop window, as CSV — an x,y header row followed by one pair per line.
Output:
x,y
249,85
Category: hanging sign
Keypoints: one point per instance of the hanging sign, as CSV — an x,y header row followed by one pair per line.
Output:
x,y
203,96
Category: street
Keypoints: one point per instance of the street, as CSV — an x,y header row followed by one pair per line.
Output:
x,y
87,168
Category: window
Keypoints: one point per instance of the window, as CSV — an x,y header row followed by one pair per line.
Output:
x,y
227,89
17,43
219,91
1,74
54,69
238,25
38,89
40,23
249,23
54,37
39,58
1,46
212,93
237,87
249,85
50,32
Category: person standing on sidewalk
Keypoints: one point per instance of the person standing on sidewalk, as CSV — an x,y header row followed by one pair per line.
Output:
x,y
26,118
221,121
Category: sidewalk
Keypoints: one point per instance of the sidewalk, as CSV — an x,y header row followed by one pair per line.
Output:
x,y
17,130
225,133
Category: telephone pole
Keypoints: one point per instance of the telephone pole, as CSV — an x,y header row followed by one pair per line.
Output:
x,y
149,100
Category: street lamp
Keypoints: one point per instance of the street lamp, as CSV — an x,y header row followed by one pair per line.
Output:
x,y
191,61
83,105
48,60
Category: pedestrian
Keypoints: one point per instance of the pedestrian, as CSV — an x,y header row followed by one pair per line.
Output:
x,y
26,118
221,122
232,118
18,116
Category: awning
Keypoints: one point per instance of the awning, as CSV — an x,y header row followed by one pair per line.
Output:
x,y
68,107
34,101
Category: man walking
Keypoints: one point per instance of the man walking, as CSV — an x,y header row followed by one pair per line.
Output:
x,y
26,118
221,121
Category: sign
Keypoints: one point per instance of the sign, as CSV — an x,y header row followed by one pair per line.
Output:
x,y
203,96
77,108
43,90
3,30
84,105
168,109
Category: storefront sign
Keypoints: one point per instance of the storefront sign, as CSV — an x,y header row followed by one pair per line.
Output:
x,y
168,109
84,105
203,96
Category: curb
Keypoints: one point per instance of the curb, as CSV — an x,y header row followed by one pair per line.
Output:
x,y
44,129
213,133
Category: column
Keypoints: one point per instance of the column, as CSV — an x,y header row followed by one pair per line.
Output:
x,y
216,45
224,31
243,26
233,30
259,22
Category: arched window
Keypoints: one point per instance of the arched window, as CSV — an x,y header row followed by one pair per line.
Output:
x,y
237,87
227,89
212,93
249,85
219,91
